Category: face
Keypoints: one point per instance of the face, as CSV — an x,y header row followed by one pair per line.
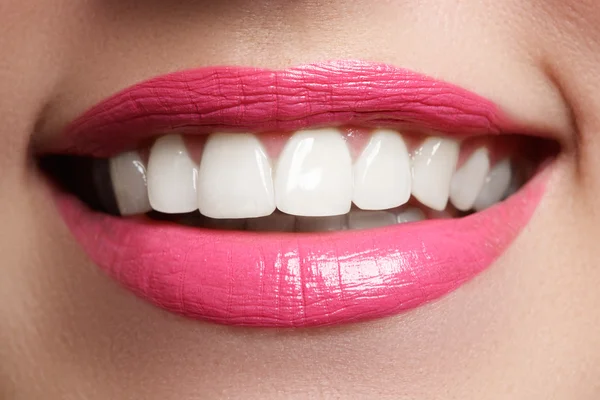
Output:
x,y
434,167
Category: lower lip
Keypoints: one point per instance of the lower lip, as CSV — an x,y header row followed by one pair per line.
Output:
x,y
298,280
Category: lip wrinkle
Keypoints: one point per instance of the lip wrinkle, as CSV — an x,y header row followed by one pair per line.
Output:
x,y
348,92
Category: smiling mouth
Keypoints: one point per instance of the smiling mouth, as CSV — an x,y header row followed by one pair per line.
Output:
x,y
171,185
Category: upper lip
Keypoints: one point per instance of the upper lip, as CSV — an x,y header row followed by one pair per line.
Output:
x,y
257,100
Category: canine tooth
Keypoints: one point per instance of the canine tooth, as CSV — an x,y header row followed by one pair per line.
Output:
x,y
495,187
172,177
382,175
234,178
433,166
411,214
321,224
370,219
314,174
128,176
469,179
276,222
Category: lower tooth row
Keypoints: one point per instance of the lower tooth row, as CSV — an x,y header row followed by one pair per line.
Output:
x,y
280,222
314,176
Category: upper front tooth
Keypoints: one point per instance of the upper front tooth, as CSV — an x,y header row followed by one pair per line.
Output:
x,y
234,179
172,177
495,187
433,165
128,176
469,179
314,174
382,175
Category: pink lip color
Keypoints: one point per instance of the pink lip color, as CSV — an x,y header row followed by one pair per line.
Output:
x,y
291,280
261,100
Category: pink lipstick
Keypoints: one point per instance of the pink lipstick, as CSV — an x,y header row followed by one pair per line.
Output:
x,y
237,99
290,279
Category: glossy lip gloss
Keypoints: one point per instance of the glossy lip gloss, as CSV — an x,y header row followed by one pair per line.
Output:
x,y
290,280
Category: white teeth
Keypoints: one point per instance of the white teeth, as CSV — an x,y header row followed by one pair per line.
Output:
x,y
410,215
382,175
495,187
128,176
433,166
370,219
312,185
172,177
314,174
321,224
276,222
234,179
469,179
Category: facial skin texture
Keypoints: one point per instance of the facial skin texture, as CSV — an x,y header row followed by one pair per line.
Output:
x,y
528,328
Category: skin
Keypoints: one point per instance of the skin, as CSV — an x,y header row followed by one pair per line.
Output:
x,y
525,329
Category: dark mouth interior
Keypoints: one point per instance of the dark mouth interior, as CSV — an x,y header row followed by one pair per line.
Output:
x,y
89,180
